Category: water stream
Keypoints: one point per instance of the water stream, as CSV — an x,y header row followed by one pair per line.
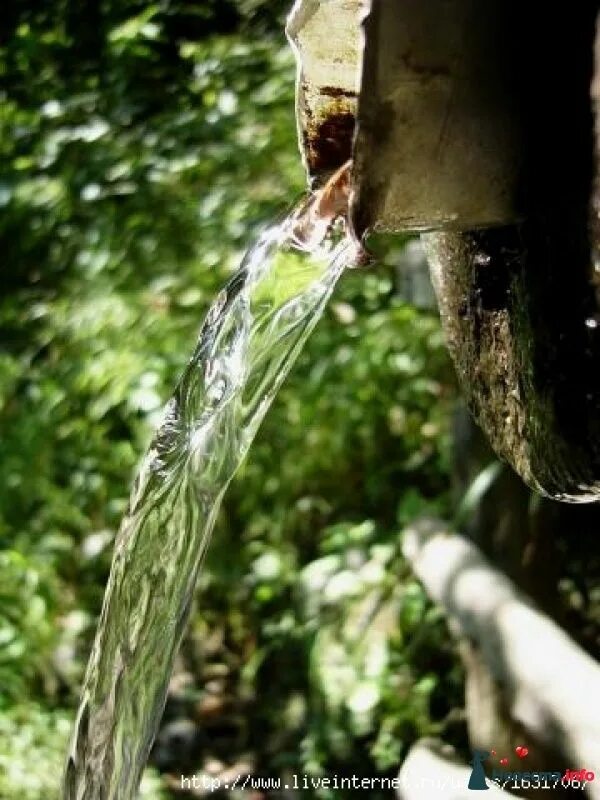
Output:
x,y
250,339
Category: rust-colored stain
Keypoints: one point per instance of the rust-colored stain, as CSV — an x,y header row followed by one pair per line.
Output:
x,y
336,91
327,138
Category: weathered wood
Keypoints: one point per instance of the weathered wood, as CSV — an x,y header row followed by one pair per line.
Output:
x,y
520,320
550,686
484,125
518,303
438,130
519,534
326,38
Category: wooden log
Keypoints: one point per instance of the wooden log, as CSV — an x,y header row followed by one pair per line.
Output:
x,y
551,686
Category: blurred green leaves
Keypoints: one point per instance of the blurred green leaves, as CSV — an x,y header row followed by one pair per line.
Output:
x,y
142,147
28,605
33,742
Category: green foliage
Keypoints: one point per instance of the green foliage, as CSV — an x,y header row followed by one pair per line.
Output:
x,y
28,599
142,147
33,743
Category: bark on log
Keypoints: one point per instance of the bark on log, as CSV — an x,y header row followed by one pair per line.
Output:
x,y
551,686
520,304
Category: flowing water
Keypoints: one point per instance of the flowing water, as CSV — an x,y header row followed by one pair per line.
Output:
x,y
252,335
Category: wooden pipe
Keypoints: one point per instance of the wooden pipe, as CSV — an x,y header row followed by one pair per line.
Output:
x,y
473,124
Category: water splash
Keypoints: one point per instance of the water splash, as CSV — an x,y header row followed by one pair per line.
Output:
x,y
252,335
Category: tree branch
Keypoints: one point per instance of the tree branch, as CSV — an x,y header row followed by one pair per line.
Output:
x,y
552,687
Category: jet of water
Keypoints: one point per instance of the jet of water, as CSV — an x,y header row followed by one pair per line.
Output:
x,y
252,335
